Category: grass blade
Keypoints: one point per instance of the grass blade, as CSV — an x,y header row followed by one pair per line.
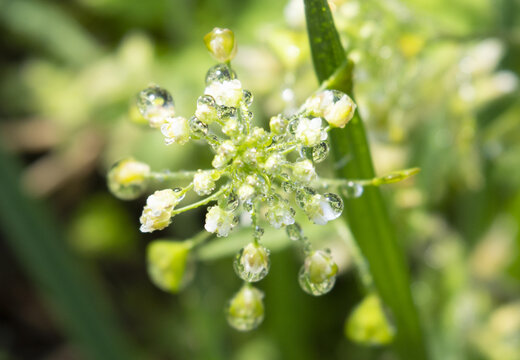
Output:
x,y
367,216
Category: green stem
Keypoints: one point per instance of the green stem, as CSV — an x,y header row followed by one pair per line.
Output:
x,y
367,215
201,202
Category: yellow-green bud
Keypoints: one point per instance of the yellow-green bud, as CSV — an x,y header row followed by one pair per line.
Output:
x,y
245,310
127,179
368,324
221,44
167,262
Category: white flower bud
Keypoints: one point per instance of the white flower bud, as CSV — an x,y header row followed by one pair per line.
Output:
x,y
206,110
224,153
226,93
175,130
322,209
203,182
309,132
158,210
304,171
273,163
245,192
219,221
231,127
280,215
336,107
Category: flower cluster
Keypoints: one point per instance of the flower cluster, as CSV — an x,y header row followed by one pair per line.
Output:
x,y
265,174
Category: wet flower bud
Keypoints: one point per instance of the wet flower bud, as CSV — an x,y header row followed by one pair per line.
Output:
x,y
158,210
221,44
245,192
322,209
368,324
219,221
273,163
318,274
309,131
280,215
336,107
203,182
245,310
226,93
127,179
252,262
167,262
175,130
224,153
278,124
206,109
155,104
304,171
231,128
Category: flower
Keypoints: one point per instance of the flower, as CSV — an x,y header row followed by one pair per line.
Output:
x,y
176,130
304,171
280,215
252,262
206,109
245,310
309,132
203,182
158,210
318,273
224,153
336,107
155,104
219,221
319,210
245,192
225,93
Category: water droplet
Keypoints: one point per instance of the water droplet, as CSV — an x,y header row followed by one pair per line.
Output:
x,y
245,311
178,192
155,104
248,205
231,202
305,153
303,195
335,202
206,100
259,232
227,112
320,151
352,190
318,274
220,73
247,97
252,262
127,179
294,231
293,125
288,186
197,127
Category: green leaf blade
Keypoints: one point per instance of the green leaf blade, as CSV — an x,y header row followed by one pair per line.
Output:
x,y
367,215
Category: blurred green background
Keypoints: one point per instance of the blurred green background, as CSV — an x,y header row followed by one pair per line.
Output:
x,y
437,82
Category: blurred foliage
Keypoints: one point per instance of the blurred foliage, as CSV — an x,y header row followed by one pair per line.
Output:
x,y
436,82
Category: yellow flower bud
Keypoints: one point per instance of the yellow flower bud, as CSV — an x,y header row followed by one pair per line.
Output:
x,y
221,44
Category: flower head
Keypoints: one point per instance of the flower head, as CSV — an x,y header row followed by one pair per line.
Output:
x,y
225,93
309,131
175,130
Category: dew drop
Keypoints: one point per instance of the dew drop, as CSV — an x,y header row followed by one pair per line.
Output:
x,y
320,152
220,73
247,97
318,274
207,100
245,311
155,104
335,203
227,112
293,125
294,231
252,262
197,127
352,190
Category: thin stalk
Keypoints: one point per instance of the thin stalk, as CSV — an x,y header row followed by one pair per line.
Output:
x,y
367,215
